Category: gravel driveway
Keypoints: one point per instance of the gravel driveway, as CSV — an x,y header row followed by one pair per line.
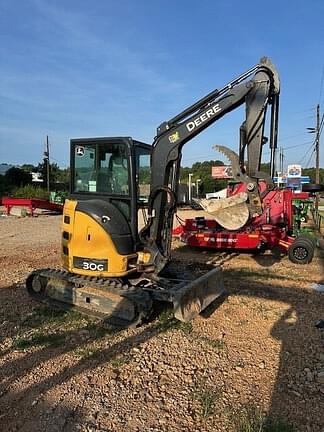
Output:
x,y
257,357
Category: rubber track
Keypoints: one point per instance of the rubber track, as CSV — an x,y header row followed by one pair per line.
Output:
x,y
140,297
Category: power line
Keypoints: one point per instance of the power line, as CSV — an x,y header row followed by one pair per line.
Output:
x,y
321,125
212,156
310,158
298,145
307,152
292,136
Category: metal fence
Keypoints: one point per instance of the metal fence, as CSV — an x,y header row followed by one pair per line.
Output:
x,y
318,219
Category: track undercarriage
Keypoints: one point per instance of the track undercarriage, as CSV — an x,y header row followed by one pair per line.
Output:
x,y
122,302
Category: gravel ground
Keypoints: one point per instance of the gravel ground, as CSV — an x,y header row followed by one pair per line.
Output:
x,y
256,356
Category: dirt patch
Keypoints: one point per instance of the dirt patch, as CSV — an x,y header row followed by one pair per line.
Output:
x,y
255,357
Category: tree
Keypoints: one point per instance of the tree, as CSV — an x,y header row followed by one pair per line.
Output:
x,y
311,172
265,167
29,168
4,186
57,175
202,171
18,177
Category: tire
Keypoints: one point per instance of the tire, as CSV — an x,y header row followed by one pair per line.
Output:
x,y
261,248
313,187
301,251
309,238
321,244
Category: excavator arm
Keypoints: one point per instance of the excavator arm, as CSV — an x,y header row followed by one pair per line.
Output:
x,y
257,93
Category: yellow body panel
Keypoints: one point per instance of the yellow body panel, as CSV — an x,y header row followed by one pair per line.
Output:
x,y
87,239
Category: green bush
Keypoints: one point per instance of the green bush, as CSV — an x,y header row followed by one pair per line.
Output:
x,y
30,191
4,186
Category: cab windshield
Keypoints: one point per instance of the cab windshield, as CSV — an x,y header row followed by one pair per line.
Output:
x,y
101,168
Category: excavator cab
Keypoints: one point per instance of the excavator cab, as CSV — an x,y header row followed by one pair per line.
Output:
x,y
100,220
110,169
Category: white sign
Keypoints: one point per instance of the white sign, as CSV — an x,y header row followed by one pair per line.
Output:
x,y
294,171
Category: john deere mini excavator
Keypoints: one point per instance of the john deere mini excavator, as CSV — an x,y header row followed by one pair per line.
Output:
x,y
113,269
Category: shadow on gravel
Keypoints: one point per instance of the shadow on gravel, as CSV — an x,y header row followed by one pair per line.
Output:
x,y
269,258
297,396
321,257
265,259
22,404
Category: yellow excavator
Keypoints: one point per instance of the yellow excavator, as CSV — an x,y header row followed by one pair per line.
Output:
x,y
115,270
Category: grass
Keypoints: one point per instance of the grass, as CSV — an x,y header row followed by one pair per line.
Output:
x,y
120,361
246,273
250,418
52,327
278,426
39,339
87,351
218,344
45,316
30,191
96,331
166,321
253,275
206,396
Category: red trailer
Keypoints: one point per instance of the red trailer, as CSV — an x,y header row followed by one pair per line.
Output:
x,y
31,204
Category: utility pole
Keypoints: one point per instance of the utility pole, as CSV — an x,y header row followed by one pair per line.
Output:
x,y
317,144
316,130
197,187
281,160
190,186
47,163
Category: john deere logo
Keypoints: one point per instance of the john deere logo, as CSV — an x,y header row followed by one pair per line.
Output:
x,y
174,137
79,151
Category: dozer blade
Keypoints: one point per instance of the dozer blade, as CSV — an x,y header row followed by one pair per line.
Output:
x,y
191,299
123,305
117,304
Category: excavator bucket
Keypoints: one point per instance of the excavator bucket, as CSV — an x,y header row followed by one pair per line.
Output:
x,y
231,213
191,299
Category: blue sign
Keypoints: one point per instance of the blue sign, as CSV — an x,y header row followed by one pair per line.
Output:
x,y
303,179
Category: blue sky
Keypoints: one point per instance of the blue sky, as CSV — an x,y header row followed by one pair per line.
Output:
x,y
120,68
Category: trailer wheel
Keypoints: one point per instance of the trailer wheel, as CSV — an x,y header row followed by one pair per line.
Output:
x,y
309,238
301,251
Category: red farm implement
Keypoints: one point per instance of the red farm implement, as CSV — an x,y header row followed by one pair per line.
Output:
x,y
275,227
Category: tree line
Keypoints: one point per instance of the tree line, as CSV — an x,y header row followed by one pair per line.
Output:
x,y
17,178
202,171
